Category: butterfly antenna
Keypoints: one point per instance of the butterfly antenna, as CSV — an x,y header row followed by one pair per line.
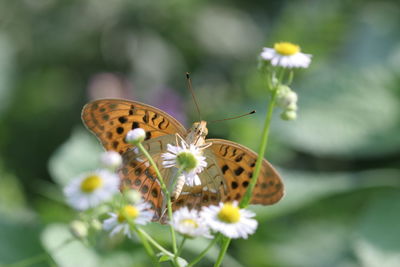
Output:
x,y
189,85
249,113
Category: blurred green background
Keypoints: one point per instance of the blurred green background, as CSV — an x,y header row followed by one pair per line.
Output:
x,y
340,160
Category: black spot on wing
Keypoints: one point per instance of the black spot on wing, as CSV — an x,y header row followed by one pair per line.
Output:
x,y
224,168
120,130
135,125
122,119
239,171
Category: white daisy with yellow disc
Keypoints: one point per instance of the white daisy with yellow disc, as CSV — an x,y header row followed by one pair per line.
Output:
x,y
230,220
91,189
119,222
189,223
286,55
188,156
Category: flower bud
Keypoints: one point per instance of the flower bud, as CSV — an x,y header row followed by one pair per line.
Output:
x,y
292,107
286,97
96,225
78,229
132,196
111,159
289,115
135,136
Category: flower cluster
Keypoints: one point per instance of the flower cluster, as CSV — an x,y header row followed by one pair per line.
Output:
x,y
226,218
101,189
282,58
124,211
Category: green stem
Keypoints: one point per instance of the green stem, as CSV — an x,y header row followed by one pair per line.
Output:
x,y
147,247
263,146
269,81
290,79
264,141
203,253
160,178
154,243
280,77
181,247
222,252
166,192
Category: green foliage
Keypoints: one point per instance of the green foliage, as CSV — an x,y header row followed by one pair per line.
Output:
x,y
65,250
377,236
19,241
339,159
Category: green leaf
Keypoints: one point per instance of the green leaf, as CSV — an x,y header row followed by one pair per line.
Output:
x,y
377,239
345,113
12,200
18,241
65,250
303,188
124,258
164,258
317,242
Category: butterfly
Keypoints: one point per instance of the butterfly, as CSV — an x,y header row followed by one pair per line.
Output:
x,y
229,165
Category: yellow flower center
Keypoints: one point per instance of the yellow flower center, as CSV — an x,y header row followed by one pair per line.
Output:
x,y
190,222
91,183
128,212
229,213
286,48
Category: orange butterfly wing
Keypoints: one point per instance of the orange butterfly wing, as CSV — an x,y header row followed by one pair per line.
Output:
x,y
111,119
237,163
137,173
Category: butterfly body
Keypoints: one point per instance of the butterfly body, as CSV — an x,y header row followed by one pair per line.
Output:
x,y
229,165
196,137
197,134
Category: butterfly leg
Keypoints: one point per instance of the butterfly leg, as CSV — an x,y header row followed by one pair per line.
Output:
x,y
206,145
183,142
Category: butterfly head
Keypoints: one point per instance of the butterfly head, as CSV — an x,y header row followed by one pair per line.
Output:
x,y
197,133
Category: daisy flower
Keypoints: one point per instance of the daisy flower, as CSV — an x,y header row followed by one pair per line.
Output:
x,y
189,223
287,55
119,221
230,220
187,156
90,189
